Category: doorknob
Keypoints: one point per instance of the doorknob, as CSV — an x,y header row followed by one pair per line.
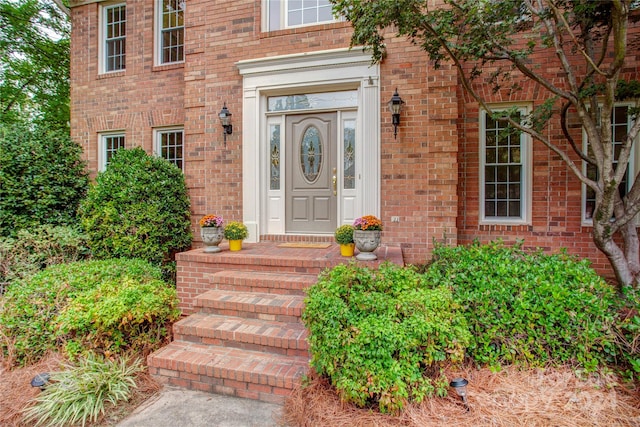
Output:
x,y
334,180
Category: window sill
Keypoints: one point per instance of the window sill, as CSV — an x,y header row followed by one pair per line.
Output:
x,y
111,74
166,67
304,29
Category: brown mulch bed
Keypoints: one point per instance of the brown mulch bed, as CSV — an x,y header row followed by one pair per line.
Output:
x,y
512,397
16,393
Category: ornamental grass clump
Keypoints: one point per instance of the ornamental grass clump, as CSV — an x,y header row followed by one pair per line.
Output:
x,y
382,337
80,394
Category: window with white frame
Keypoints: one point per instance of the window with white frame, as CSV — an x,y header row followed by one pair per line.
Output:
x,y
281,14
170,31
505,170
109,144
114,33
170,145
621,121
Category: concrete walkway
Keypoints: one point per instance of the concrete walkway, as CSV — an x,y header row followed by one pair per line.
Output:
x,y
177,407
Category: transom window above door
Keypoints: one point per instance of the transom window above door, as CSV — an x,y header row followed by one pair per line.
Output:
x,y
281,14
313,101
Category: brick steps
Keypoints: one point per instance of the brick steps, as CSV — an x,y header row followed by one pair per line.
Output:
x,y
231,371
251,305
243,335
250,334
264,282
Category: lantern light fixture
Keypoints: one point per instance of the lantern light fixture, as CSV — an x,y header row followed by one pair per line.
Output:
x,y
395,106
225,120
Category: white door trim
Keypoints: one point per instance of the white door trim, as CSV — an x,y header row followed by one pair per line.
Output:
x,y
326,71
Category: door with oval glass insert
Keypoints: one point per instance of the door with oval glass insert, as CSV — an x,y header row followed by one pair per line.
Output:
x,y
311,185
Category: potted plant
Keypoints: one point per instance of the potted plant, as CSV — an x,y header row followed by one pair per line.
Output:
x,y
344,236
211,232
366,235
235,232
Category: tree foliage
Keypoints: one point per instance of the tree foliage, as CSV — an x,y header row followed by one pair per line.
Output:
x,y
500,43
42,178
34,62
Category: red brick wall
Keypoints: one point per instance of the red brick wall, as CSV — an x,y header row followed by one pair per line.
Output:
x,y
429,172
556,191
419,170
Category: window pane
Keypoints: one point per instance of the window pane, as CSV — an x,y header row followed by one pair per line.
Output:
x,y
349,154
274,149
502,171
114,43
172,31
171,146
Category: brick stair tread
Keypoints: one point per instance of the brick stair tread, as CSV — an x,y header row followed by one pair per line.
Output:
x,y
251,331
249,280
251,302
229,364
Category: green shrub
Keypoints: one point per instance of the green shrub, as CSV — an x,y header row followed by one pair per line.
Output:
x,y
628,330
42,178
34,249
138,208
30,308
118,315
80,393
532,309
382,336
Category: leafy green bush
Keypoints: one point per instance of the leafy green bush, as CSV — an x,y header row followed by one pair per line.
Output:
x,y
138,208
628,330
531,309
79,393
30,308
34,249
382,336
43,178
118,315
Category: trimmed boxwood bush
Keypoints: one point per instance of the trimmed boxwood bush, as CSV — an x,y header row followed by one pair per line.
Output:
x,y
138,208
30,314
382,336
529,308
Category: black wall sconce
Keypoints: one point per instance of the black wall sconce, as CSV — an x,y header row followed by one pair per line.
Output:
x,y
395,105
225,120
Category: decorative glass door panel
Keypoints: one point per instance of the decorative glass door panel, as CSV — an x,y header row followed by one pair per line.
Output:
x,y
311,184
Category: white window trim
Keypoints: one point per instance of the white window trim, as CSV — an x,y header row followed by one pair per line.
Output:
x,y
634,159
157,30
102,22
527,173
102,147
284,17
157,140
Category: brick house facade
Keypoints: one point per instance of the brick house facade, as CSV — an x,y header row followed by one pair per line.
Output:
x,y
425,183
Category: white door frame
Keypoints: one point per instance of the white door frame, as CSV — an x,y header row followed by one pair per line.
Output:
x,y
330,70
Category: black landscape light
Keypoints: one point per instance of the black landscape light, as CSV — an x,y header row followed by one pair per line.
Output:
x,y
41,380
460,386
